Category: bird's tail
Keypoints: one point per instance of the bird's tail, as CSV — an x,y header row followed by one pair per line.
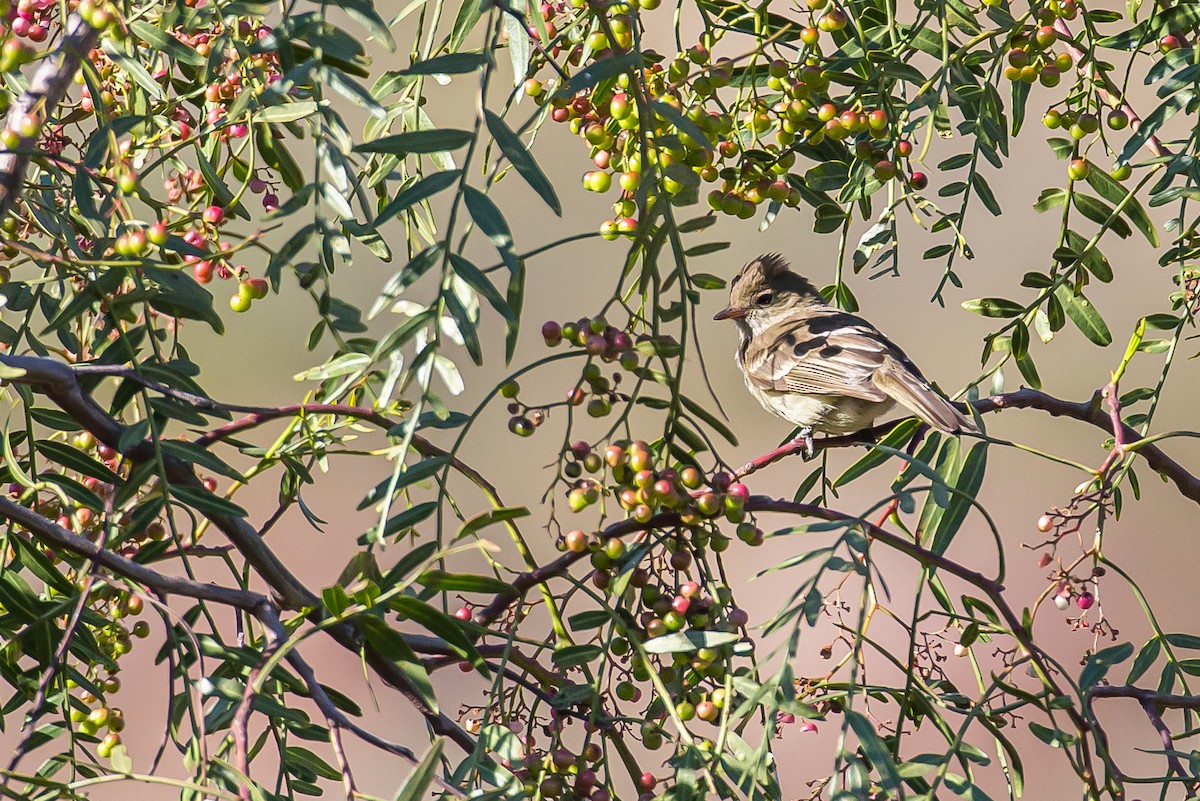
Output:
x,y
907,389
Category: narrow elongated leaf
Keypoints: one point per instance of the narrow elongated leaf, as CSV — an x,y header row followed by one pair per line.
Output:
x,y
447,64
1109,189
688,641
875,750
877,456
969,480
165,43
423,190
994,307
75,460
1081,312
391,645
416,786
522,160
462,582
206,503
430,141
1099,663
490,517
442,625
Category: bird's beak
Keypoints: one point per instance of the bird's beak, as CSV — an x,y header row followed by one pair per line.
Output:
x,y
730,313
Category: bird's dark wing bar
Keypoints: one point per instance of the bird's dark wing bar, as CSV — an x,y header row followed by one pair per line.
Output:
x,y
818,357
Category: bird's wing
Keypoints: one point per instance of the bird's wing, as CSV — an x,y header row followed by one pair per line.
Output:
x,y
819,353
829,352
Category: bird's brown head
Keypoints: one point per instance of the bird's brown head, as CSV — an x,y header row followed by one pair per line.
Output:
x,y
765,287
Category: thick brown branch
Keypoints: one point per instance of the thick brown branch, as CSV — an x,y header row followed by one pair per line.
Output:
x,y
1142,696
57,381
61,539
45,92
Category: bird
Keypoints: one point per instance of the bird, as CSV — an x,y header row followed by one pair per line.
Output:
x,y
818,367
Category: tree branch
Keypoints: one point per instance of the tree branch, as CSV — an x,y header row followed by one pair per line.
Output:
x,y
1090,411
58,382
40,100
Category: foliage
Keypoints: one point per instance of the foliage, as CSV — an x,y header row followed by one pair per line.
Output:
x,y
151,150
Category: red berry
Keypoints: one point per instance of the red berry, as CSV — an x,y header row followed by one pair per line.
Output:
x,y
647,781
213,215
1085,600
918,181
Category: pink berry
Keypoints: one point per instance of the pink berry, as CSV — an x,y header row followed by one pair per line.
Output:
x,y
1085,600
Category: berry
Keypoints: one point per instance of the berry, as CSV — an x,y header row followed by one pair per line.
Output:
x,y
1078,169
157,233
1085,600
240,302
213,215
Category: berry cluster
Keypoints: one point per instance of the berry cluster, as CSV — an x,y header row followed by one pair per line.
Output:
x,y
668,116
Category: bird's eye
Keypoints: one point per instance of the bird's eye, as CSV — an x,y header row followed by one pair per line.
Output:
x,y
764,299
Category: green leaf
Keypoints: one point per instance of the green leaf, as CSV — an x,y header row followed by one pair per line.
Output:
x,y
709,419
485,519
1099,663
294,755
518,44
431,141
416,786
994,307
131,67
1109,189
76,460
969,480
441,625
391,645
166,44
575,655
1100,213
442,581
875,457
447,64
286,112
206,503
985,194
601,70
1051,198
489,219
423,189
688,641
1055,738
1084,315
398,524
707,281
1154,121
876,751
192,453
519,156
1029,371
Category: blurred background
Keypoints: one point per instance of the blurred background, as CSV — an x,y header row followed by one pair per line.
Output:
x,y
1155,540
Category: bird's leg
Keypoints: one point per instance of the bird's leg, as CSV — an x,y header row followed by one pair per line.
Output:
x,y
805,438
802,442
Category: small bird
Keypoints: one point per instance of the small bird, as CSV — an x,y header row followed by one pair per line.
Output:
x,y
818,367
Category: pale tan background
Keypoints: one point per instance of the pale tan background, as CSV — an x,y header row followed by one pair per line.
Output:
x,y
1155,541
